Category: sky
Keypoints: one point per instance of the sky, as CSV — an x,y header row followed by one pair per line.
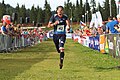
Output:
x,y
53,3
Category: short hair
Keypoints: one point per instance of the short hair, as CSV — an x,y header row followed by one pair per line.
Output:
x,y
115,17
4,23
118,16
60,7
110,18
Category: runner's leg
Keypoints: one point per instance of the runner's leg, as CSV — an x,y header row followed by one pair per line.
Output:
x,y
61,44
56,42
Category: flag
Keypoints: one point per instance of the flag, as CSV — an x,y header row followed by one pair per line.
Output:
x,y
96,20
118,2
82,23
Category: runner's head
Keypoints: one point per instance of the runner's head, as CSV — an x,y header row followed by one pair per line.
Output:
x,y
60,11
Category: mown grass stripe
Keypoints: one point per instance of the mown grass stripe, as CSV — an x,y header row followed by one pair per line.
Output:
x,y
41,63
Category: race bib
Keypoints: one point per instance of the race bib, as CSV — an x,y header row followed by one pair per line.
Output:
x,y
60,28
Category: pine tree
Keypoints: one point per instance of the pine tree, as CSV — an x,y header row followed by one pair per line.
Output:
x,y
106,9
2,9
17,10
23,12
77,11
47,11
87,11
68,9
36,13
71,12
40,17
114,8
32,14
81,9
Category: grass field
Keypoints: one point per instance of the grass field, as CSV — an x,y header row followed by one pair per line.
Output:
x,y
41,63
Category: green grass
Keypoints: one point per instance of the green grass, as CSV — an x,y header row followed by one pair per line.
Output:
x,y
41,63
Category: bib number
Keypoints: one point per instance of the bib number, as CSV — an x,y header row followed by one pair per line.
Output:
x,y
60,28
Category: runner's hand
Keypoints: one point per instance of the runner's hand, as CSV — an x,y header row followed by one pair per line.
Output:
x,y
67,29
56,22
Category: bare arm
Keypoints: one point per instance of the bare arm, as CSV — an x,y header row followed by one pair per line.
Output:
x,y
50,24
68,22
68,25
107,31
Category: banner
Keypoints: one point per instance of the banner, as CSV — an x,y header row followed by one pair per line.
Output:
x,y
96,43
86,41
69,35
115,45
118,46
50,34
102,43
111,43
96,20
80,40
91,44
106,45
76,38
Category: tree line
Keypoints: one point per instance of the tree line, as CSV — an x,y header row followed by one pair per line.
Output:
x,y
75,12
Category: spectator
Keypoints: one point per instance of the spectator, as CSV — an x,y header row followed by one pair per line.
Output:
x,y
3,29
86,31
9,32
0,28
110,25
99,30
118,24
93,31
114,18
104,27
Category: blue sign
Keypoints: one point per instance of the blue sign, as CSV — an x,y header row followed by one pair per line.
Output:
x,y
96,43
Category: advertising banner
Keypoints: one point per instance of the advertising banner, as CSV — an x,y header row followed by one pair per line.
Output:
x,y
106,44
118,46
69,35
102,43
76,38
96,43
112,44
91,44
109,43
50,34
87,41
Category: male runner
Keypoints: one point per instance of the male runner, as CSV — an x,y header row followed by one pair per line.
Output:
x,y
61,24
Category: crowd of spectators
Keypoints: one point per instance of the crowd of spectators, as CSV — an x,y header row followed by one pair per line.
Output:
x,y
111,26
12,31
14,35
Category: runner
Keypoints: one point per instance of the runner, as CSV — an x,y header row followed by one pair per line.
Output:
x,y
61,24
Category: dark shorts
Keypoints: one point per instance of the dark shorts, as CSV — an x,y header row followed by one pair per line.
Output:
x,y
59,40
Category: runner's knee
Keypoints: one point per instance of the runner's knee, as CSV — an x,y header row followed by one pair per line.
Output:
x,y
61,49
